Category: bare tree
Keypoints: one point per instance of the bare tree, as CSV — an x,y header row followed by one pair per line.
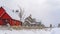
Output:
x,y
12,10
21,13
17,10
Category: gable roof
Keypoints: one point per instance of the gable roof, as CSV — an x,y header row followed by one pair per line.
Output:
x,y
2,11
3,14
11,13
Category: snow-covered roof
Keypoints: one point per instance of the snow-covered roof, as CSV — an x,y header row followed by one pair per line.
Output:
x,y
11,13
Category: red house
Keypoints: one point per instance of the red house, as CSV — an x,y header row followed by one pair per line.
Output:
x,y
6,19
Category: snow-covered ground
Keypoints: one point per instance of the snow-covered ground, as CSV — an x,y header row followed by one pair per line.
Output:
x,y
32,31
55,31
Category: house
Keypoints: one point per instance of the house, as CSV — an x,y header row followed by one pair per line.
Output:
x,y
29,21
7,17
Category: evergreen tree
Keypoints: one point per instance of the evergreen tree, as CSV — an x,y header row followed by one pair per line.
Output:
x,y
50,25
58,25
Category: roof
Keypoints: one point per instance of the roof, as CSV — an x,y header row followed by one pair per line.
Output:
x,y
1,11
11,13
3,14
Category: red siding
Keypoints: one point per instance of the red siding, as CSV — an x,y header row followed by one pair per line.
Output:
x,y
1,22
5,16
15,23
1,12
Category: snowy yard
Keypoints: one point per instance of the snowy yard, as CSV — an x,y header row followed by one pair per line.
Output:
x,y
32,31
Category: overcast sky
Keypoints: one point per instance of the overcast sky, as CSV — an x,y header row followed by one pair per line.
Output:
x,y
48,11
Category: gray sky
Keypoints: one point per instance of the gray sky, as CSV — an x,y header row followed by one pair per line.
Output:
x,y
48,11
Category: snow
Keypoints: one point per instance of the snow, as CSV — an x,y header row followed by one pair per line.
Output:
x,y
32,31
11,13
24,32
55,31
